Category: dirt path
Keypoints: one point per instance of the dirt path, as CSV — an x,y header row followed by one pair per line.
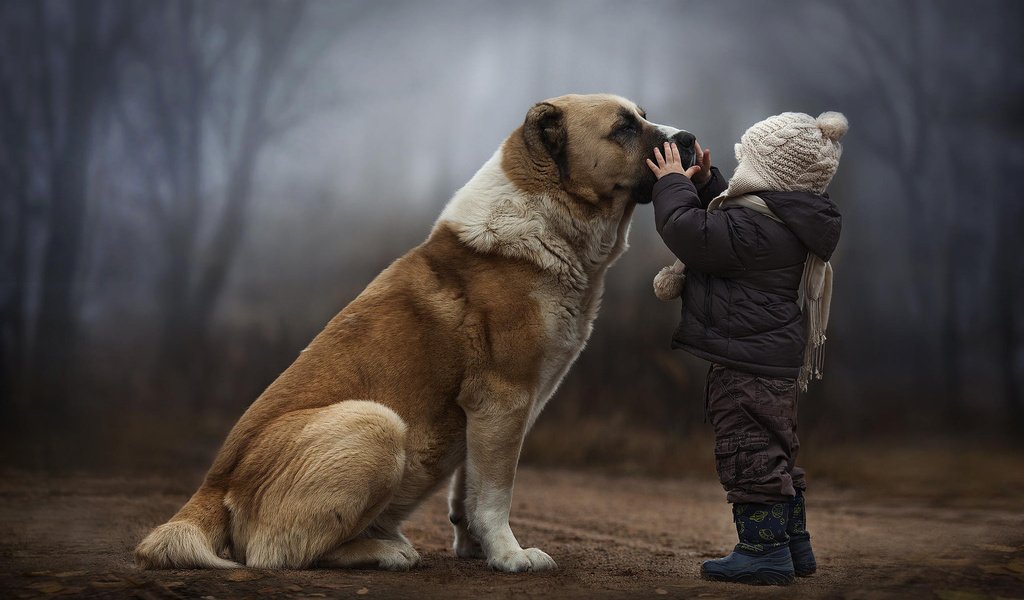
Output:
x,y
613,537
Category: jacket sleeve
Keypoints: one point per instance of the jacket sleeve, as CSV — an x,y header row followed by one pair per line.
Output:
x,y
714,186
702,240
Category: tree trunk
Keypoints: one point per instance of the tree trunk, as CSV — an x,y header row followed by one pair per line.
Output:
x,y
1009,272
14,178
56,331
12,312
181,344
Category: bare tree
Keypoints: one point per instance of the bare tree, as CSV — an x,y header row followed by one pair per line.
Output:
x,y
894,51
213,89
19,73
60,68
1007,312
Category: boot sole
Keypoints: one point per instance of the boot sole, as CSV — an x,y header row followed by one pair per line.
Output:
x,y
761,577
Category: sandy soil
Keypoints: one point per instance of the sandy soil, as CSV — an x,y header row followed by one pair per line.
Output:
x,y
613,537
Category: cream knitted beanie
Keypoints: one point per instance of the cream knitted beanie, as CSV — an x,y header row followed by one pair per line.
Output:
x,y
788,152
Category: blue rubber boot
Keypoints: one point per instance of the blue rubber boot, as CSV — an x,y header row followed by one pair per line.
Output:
x,y
804,564
762,555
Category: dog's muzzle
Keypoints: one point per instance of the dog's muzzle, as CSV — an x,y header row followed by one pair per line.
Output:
x,y
684,140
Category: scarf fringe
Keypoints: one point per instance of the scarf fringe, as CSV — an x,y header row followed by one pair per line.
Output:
x,y
814,299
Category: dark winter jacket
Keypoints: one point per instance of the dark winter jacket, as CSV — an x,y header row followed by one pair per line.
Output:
x,y
743,271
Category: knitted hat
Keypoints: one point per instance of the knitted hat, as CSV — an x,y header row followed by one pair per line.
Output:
x,y
788,152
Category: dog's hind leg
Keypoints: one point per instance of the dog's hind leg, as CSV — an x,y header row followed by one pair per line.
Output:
x,y
380,546
390,554
314,480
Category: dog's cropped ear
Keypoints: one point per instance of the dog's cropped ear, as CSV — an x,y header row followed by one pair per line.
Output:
x,y
545,132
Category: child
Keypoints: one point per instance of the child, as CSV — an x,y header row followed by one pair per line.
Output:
x,y
755,304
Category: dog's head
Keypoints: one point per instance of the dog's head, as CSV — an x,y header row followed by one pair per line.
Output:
x,y
594,148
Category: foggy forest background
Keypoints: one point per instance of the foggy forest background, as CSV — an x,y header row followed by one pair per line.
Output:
x,y
190,190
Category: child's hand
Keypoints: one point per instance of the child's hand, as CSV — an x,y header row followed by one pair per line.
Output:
x,y
673,164
703,158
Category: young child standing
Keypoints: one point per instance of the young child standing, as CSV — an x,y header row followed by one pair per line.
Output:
x,y
755,304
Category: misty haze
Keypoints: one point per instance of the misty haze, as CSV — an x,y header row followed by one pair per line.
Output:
x,y
192,190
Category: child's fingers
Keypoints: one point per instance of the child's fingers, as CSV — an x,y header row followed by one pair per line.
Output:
x,y
657,155
653,167
692,171
675,154
704,160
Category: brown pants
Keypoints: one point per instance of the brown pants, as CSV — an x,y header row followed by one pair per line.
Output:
x,y
755,435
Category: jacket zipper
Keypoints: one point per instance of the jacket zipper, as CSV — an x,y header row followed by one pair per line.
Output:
x,y
707,303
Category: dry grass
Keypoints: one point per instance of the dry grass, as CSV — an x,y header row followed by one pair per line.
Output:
x,y
936,470
614,445
941,471
946,472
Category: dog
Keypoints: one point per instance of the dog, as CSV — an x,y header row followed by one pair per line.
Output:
x,y
437,369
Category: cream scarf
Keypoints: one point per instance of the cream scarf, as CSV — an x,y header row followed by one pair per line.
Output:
x,y
814,296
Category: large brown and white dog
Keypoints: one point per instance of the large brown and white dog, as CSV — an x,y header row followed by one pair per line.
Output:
x,y
437,369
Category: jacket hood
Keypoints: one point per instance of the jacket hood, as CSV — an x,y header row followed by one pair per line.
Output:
x,y
813,218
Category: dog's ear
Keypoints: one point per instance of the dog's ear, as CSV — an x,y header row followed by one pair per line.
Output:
x,y
545,133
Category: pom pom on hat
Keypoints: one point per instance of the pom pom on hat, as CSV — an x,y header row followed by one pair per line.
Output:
x,y
833,125
668,283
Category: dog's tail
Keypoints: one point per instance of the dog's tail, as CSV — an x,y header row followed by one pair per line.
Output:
x,y
192,538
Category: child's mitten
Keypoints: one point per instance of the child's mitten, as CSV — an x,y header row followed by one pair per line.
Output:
x,y
668,283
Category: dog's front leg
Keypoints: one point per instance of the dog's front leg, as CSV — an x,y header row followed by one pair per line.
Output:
x,y
494,437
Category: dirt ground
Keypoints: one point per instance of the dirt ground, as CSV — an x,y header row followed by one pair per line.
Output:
x,y
613,537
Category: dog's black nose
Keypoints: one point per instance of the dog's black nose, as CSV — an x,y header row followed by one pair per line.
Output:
x,y
687,153
684,139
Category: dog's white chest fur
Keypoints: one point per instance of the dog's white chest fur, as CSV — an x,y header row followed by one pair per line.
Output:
x,y
491,214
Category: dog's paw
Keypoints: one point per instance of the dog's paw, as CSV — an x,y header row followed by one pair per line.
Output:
x,y
517,561
387,555
400,558
466,546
